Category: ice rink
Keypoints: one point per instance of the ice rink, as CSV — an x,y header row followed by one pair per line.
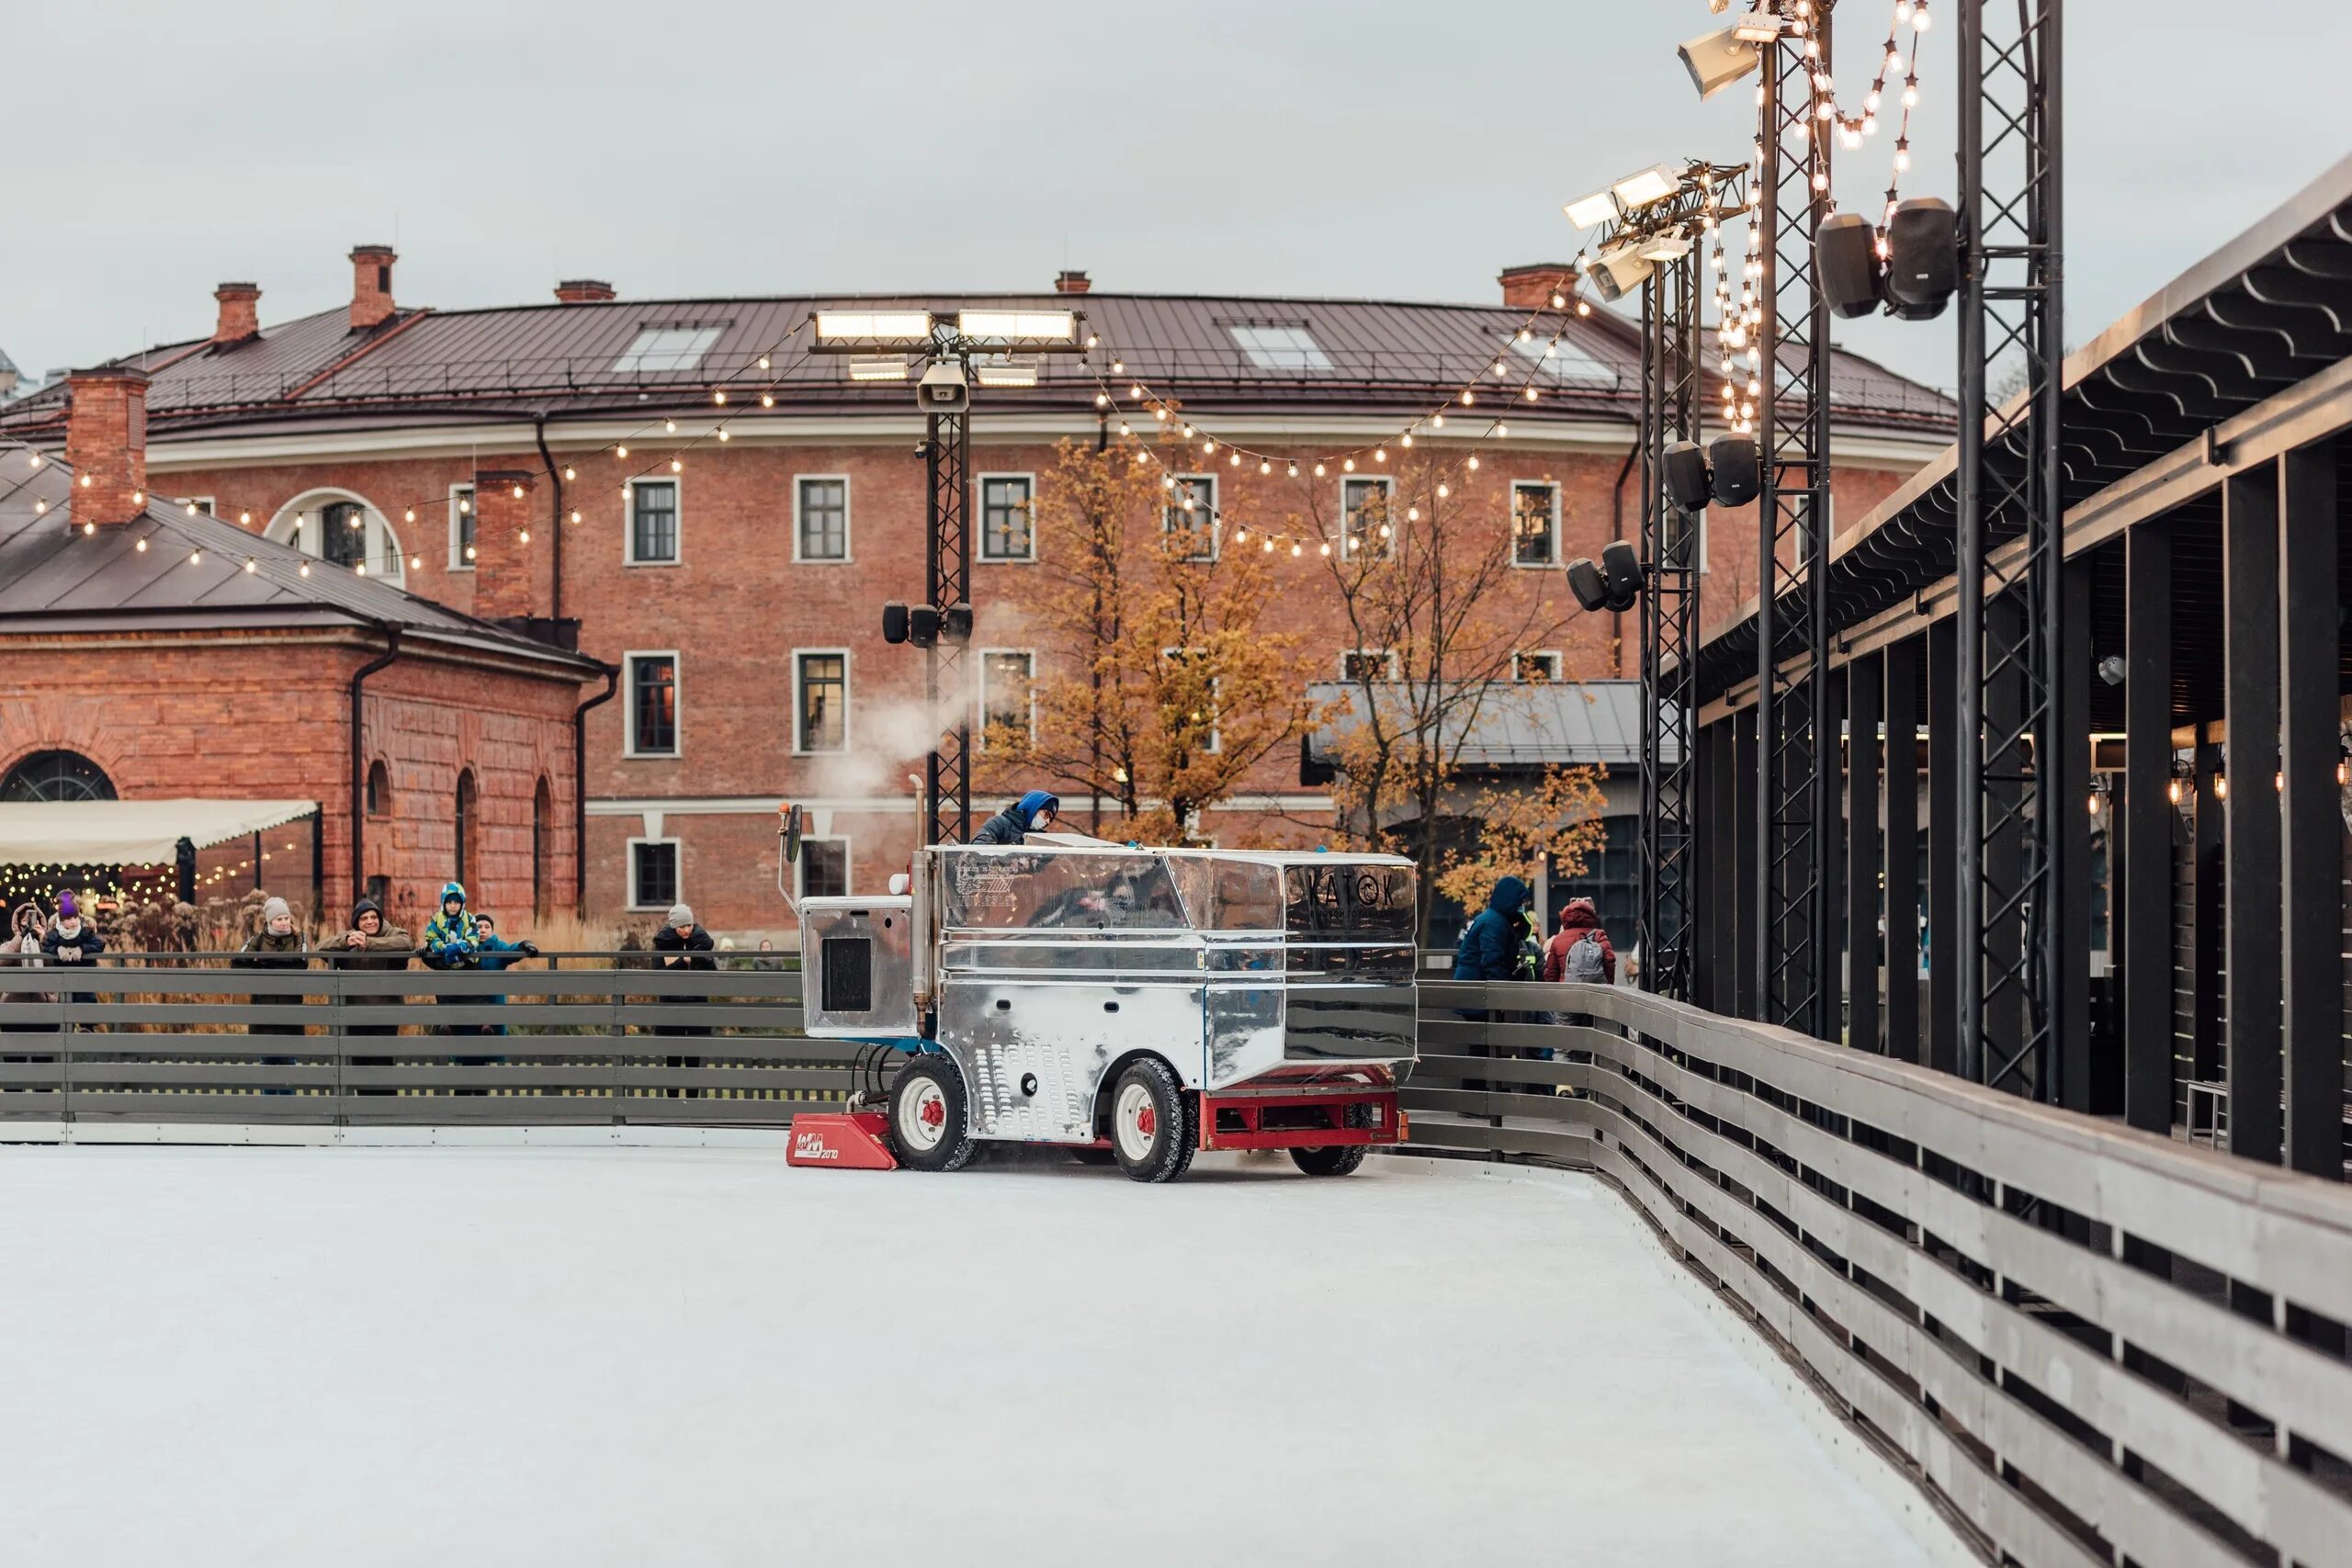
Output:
x,y
350,1356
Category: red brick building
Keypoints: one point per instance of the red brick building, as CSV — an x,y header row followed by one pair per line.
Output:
x,y
729,558
147,651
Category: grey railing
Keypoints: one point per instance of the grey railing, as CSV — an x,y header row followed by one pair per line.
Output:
x,y
599,1045
2093,1345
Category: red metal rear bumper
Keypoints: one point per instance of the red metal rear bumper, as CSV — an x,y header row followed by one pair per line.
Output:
x,y
1307,1119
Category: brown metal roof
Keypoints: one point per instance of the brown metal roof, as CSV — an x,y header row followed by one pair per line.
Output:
x,y
52,574
563,358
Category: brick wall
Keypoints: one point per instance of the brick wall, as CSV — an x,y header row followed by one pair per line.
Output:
x,y
266,716
738,604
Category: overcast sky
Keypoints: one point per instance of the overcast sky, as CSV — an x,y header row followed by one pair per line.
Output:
x,y
1377,149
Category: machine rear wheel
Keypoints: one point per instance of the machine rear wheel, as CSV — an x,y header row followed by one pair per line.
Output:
x,y
1152,1123
1339,1161
931,1124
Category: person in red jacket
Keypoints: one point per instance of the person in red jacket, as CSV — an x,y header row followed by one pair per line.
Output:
x,y
1579,949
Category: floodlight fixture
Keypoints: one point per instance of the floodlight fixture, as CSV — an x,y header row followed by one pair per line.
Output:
x,y
1759,27
1008,327
843,327
997,370
1718,58
942,388
1663,248
1619,272
1646,187
878,367
1593,211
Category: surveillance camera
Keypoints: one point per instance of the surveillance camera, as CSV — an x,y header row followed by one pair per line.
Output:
x,y
943,389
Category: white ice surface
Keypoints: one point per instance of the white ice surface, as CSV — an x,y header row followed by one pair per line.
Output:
x,y
348,1357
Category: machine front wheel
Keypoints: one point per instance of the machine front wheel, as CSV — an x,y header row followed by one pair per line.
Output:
x,y
931,1122
1153,1128
1339,1161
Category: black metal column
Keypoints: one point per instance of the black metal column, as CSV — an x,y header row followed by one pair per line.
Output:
x,y
1795,961
1865,699
1746,765
1902,945
2250,651
1945,867
2069,881
947,582
2312,848
2012,716
2148,819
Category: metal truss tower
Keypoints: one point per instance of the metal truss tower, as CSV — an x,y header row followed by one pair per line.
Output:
x,y
2014,880
1671,305
947,583
1796,940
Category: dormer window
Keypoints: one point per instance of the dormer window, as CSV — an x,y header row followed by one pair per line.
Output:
x,y
1273,345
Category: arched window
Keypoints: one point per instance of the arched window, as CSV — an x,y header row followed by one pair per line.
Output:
x,y
542,814
57,775
380,789
344,528
466,806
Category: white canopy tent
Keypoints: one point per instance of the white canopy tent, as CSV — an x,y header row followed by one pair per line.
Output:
x,y
130,832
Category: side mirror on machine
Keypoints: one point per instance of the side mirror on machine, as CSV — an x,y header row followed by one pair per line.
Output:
x,y
788,833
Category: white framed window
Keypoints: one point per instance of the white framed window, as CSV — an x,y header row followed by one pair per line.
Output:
x,y
820,518
822,870
1368,664
1365,521
1178,655
462,528
653,536
1279,346
1535,665
1563,360
1008,692
1535,522
1009,517
678,345
653,879
820,700
1197,520
651,717
341,528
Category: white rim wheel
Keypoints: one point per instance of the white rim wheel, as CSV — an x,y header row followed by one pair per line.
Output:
x,y
922,1117
1135,1122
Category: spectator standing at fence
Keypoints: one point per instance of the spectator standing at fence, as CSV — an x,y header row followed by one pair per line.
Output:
x,y
25,927
71,939
372,943
1579,951
496,953
1033,813
277,945
453,943
1489,948
683,945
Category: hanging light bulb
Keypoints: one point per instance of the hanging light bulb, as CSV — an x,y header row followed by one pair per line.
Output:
x,y
670,426
246,518
250,565
722,434
416,563
617,452
575,515
1324,549
677,466
524,535
1294,470
304,569
141,546
767,399
1264,466
1296,549
1380,454
1319,470
1118,367
1347,465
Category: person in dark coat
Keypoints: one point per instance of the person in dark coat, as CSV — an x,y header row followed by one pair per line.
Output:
x,y
71,939
497,952
683,944
277,945
1033,813
1490,946
26,926
372,943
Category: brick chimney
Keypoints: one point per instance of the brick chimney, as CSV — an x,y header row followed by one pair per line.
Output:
x,y
240,312
1530,288
371,285
583,290
1072,283
105,444
504,564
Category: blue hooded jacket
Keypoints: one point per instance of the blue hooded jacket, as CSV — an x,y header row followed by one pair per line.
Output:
x,y
1488,949
1012,825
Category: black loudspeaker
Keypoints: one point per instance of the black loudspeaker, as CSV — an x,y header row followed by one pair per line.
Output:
x,y
1584,582
1739,478
1845,264
923,624
1923,258
955,623
894,622
1685,468
1621,569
